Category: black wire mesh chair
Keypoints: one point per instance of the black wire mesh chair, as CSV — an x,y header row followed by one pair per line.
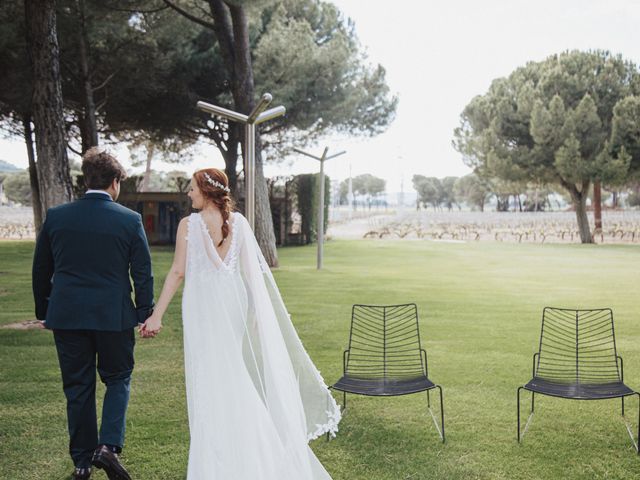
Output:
x,y
384,357
577,359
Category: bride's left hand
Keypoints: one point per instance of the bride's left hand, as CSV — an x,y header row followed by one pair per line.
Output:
x,y
151,327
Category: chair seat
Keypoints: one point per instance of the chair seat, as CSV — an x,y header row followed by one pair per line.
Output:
x,y
383,386
579,391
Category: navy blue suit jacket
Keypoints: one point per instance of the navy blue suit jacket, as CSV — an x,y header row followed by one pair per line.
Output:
x,y
86,255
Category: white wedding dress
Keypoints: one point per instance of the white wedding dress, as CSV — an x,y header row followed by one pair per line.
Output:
x,y
255,398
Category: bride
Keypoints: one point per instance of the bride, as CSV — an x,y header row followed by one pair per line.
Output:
x,y
254,397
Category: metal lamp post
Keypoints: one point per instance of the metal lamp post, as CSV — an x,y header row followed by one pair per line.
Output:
x,y
256,117
321,200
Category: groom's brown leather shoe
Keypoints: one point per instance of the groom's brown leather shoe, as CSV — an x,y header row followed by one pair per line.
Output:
x,y
81,473
105,459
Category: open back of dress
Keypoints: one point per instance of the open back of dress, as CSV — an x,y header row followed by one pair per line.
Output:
x,y
254,397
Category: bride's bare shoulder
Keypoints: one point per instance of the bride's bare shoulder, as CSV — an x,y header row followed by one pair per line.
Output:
x,y
185,220
237,216
184,224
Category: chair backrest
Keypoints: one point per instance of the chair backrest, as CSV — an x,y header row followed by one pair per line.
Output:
x,y
384,342
577,346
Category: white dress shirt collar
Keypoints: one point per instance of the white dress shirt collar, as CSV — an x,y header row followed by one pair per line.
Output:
x,y
99,191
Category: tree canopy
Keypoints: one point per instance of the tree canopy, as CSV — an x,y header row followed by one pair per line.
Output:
x,y
552,122
132,71
472,190
366,185
303,52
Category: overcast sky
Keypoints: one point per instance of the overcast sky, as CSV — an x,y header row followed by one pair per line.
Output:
x,y
438,56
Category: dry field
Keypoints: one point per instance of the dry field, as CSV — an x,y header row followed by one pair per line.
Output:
x,y
531,227
16,223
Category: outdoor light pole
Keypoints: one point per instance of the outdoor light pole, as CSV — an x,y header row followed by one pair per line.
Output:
x,y
351,202
321,201
256,117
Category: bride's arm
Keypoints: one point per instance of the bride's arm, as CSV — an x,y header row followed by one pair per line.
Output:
x,y
174,278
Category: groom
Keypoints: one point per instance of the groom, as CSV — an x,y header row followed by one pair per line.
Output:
x,y
84,255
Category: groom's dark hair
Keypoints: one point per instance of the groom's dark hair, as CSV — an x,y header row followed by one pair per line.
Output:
x,y
101,168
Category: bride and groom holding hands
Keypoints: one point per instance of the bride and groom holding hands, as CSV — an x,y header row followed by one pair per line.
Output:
x,y
254,397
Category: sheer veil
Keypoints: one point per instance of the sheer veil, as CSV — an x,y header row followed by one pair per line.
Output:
x,y
291,380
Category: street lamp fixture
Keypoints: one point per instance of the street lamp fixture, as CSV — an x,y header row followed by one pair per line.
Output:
x,y
320,230
257,116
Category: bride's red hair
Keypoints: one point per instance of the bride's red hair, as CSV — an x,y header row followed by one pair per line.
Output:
x,y
219,196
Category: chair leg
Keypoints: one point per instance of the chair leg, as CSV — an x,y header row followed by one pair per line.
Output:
x,y
441,412
533,401
526,425
435,422
623,406
519,388
328,438
636,443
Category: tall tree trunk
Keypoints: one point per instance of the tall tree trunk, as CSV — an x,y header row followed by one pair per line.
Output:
x,y
232,32
33,173
147,172
583,220
502,203
230,155
597,204
579,198
89,128
54,181
264,219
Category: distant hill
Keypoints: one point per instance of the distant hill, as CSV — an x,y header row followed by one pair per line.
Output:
x,y
8,167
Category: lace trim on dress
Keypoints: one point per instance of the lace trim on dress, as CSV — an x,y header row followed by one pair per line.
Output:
x,y
191,252
197,255
334,415
331,427
230,259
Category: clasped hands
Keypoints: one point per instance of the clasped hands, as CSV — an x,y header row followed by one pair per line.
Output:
x,y
151,327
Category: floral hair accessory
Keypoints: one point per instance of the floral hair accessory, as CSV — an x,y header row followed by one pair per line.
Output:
x,y
215,183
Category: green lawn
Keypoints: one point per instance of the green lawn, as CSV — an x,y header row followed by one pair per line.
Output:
x,y
479,306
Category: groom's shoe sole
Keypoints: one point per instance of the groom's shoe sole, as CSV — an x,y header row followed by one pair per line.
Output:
x,y
106,460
